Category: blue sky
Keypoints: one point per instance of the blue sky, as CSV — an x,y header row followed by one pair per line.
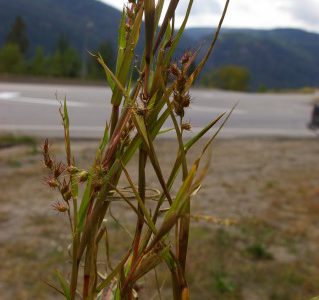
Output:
x,y
302,14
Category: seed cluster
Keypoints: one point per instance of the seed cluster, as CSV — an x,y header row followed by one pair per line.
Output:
x,y
55,181
182,98
98,174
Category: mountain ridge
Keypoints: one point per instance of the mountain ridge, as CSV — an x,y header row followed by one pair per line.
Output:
x,y
277,58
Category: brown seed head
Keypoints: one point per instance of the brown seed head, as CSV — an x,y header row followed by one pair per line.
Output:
x,y
186,100
60,207
178,107
51,182
59,168
186,57
65,187
187,126
46,146
175,70
46,155
180,83
48,162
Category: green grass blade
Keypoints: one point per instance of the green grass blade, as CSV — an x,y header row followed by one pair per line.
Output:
x,y
176,209
109,78
169,15
105,139
111,75
121,43
66,124
127,58
74,186
140,201
179,138
64,285
84,204
113,274
158,13
198,136
180,32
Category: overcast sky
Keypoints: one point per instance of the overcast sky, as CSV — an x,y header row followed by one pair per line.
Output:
x,y
302,14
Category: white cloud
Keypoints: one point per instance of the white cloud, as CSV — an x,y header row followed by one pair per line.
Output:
x,y
306,12
250,13
211,5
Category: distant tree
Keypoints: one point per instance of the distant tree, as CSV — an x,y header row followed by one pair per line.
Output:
x,y
71,63
62,44
228,78
55,65
18,35
65,62
107,52
262,89
11,59
39,63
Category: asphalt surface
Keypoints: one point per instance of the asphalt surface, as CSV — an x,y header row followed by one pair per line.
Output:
x,y
32,109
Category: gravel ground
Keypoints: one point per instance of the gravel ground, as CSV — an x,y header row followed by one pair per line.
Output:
x,y
270,187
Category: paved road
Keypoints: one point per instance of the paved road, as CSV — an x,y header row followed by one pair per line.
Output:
x,y
32,109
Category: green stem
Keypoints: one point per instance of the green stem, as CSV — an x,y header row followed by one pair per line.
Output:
x,y
141,190
75,263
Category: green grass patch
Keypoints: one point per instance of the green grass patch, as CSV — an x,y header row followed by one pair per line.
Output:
x,y
259,252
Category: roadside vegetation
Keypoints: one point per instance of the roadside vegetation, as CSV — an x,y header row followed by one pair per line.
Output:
x,y
232,78
64,62
159,240
11,140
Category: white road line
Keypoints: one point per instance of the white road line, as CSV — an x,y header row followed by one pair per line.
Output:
x,y
8,95
49,102
207,109
49,128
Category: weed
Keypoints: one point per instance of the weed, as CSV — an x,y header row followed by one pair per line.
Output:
x,y
223,284
139,111
14,163
269,185
259,252
15,140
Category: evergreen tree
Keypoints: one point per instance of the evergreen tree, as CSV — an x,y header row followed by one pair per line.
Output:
x,y
18,35
62,44
65,62
11,59
39,63
230,77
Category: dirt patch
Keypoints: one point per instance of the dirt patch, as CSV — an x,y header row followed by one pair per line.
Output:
x,y
270,187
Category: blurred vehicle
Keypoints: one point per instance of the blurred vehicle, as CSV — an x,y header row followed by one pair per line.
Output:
x,y
314,123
